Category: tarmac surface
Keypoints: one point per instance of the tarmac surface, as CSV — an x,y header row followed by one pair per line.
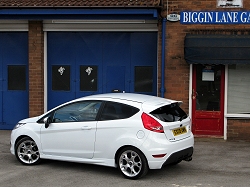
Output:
x,y
216,163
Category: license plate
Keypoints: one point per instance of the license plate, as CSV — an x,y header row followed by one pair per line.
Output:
x,y
179,131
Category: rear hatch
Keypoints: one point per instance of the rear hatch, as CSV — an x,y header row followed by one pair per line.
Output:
x,y
175,121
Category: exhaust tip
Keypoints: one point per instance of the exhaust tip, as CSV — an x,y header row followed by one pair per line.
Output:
x,y
188,159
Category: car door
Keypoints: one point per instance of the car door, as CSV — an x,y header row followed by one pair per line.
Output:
x,y
114,129
72,130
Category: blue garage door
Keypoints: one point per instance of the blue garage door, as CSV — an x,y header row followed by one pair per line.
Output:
x,y
13,76
82,63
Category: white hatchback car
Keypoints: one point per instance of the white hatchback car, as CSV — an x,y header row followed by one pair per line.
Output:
x,y
133,132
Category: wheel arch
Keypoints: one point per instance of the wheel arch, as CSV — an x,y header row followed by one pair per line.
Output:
x,y
34,137
21,137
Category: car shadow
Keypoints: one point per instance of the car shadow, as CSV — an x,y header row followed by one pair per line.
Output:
x,y
80,167
166,171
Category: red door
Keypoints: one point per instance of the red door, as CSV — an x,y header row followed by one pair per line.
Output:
x,y
208,100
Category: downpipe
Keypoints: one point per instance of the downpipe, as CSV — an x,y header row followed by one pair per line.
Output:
x,y
164,21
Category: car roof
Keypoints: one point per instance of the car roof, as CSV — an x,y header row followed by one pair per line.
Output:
x,y
127,96
134,97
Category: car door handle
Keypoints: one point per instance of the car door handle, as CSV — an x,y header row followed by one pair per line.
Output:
x,y
86,128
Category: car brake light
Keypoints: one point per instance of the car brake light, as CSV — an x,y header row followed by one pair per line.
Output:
x,y
151,124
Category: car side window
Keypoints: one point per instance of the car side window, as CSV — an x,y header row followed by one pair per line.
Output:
x,y
79,111
114,111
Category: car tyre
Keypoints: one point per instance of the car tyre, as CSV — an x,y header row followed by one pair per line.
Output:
x,y
132,163
27,152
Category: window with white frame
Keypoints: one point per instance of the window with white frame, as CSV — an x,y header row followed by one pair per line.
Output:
x,y
238,89
229,3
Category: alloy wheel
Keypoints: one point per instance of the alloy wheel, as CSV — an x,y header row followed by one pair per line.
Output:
x,y
132,163
27,151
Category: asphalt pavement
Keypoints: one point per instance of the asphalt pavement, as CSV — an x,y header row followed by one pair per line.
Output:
x,y
216,163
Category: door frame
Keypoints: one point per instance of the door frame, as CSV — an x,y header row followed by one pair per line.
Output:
x,y
223,98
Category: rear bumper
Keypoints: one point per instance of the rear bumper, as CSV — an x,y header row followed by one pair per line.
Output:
x,y
176,157
174,151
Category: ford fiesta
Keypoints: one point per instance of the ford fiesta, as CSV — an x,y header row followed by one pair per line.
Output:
x,y
132,132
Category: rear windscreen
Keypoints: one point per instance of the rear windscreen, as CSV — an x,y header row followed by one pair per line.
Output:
x,y
169,113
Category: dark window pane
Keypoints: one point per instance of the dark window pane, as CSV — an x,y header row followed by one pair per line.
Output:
x,y
208,81
16,77
61,78
143,79
114,111
88,78
169,113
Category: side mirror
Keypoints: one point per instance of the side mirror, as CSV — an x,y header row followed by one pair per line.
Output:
x,y
47,121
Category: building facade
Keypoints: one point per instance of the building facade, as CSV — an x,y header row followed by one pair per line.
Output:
x,y
208,57
194,51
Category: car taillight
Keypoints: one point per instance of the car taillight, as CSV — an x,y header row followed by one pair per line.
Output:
x,y
151,124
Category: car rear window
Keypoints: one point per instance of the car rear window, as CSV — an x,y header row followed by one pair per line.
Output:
x,y
113,111
169,113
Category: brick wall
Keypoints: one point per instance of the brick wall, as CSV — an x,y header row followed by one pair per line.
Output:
x,y
36,85
238,129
